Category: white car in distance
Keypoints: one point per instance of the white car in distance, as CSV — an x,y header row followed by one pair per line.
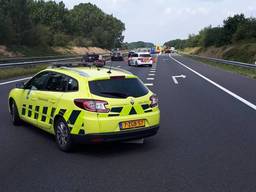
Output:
x,y
141,59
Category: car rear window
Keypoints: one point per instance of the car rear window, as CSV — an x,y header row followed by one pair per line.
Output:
x,y
118,88
145,55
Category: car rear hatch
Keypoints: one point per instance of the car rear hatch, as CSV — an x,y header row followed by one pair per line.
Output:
x,y
127,102
145,58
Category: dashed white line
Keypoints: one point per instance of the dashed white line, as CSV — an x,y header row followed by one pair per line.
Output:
x,y
151,74
251,105
149,84
13,81
150,79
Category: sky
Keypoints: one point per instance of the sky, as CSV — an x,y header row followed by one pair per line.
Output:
x,y
158,21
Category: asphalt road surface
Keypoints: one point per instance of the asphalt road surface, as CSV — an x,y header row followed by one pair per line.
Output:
x,y
207,140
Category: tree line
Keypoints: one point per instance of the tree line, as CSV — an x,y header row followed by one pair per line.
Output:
x,y
47,23
234,30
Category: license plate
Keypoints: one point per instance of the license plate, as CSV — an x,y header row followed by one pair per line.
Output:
x,y
132,124
146,60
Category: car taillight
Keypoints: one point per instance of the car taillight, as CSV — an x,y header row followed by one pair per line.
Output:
x,y
92,105
154,101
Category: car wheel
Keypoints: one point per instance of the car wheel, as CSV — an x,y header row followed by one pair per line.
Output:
x,y
62,135
15,114
129,63
136,64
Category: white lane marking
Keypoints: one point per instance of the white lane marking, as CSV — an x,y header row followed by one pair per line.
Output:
x,y
251,105
13,81
151,74
149,84
150,79
174,78
152,70
118,66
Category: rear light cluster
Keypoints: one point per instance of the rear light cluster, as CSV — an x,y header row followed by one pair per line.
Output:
x,y
154,101
92,105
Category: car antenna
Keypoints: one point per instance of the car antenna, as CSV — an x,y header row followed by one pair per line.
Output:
x,y
110,68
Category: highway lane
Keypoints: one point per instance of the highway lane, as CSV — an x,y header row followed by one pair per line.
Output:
x,y
206,143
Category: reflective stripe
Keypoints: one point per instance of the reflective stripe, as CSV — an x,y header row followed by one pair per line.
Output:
x,y
30,110
23,110
73,117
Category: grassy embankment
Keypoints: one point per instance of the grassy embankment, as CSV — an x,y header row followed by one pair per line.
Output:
x,y
239,52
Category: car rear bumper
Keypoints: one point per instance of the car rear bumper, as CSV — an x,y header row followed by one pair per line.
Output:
x,y
117,136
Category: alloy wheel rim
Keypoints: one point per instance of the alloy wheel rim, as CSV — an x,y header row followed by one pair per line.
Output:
x,y
62,134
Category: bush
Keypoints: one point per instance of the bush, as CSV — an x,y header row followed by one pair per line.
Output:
x,y
60,39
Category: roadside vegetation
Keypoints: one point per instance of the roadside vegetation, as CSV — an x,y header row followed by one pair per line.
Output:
x,y
235,40
6,73
251,73
39,24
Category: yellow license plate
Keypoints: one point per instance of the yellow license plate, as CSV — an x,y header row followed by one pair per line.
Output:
x,y
132,124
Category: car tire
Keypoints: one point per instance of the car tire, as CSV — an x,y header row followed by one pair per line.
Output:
x,y
136,64
62,135
15,114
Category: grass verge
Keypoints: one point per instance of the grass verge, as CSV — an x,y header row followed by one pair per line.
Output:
x,y
6,73
251,73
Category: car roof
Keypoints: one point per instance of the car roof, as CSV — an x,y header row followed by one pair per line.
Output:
x,y
92,73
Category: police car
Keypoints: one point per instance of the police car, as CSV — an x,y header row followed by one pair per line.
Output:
x,y
86,104
140,59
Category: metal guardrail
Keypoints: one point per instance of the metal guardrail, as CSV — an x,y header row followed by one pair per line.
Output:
x,y
235,63
44,61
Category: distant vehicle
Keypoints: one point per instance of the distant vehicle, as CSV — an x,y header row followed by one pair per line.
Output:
x,y
117,56
130,54
90,58
93,59
141,59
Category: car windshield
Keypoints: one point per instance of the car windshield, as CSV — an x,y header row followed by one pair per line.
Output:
x,y
118,88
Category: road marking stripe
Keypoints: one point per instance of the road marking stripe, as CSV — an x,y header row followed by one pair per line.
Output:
x,y
118,66
13,81
151,79
151,74
219,86
149,84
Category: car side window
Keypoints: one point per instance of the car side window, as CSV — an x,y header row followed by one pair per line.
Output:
x,y
72,84
56,82
38,82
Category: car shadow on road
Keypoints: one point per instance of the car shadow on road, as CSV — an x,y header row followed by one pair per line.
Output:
x,y
95,150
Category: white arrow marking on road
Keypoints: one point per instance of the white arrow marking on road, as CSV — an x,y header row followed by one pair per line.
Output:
x,y
174,78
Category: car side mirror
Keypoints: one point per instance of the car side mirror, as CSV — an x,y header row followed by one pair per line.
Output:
x,y
20,85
